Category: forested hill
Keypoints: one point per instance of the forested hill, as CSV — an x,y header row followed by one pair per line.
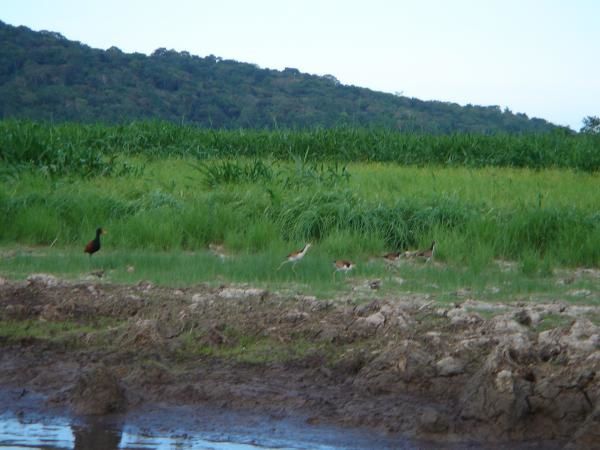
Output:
x,y
45,76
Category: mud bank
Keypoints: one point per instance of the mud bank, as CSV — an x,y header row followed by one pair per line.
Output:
x,y
468,371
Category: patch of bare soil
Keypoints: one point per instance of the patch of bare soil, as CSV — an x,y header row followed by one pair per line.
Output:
x,y
400,365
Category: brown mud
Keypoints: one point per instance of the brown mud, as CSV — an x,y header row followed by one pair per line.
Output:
x,y
468,371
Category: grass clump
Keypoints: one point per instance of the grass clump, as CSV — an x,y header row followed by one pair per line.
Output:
x,y
63,331
226,171
247,348
551,321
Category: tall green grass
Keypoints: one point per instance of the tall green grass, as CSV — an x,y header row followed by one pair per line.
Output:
x,y
87,150
364,210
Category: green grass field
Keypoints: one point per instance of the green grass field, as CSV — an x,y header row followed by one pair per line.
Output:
x,y
474,213
163,210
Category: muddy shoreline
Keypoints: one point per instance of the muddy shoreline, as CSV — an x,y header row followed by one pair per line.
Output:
x,y
406,365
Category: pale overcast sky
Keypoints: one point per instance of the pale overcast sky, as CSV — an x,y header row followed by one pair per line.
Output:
x,y
539,57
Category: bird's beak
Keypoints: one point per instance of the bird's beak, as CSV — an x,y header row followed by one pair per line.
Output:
x,y
104,232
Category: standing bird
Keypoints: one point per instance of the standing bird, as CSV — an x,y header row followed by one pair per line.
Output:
x,y
294,257
342,265
427,255
94,245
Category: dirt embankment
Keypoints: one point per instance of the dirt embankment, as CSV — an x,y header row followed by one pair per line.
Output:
x,y
400,364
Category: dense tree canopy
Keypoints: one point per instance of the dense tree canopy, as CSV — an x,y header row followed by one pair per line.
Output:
x,y
44,76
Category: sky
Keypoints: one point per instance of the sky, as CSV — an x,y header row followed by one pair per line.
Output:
x,y
538,57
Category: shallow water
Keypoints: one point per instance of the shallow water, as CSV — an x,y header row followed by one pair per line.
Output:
x,y
27,422
219,431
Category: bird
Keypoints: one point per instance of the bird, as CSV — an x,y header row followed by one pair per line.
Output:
x,y
296,256
342,265
427,255
218,250
97,273
392,256
94,245
375,284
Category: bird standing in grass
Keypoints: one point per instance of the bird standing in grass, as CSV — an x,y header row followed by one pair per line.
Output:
x,y
296,256
427,255
94,245
342,265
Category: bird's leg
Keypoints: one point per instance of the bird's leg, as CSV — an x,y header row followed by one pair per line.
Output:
x,y
281,265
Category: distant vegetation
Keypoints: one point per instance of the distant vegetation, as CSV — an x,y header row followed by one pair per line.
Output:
x,y
44,76
91,150
591,125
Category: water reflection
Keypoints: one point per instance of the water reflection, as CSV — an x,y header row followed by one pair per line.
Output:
x,y
44,432
96,435
26,423
37,432
18,432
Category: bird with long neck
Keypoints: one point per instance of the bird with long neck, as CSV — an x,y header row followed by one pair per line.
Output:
x,y
296,256
94,245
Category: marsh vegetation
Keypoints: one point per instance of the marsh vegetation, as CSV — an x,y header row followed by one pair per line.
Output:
x,y
165,193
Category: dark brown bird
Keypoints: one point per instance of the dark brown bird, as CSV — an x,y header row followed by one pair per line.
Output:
x,y
94,245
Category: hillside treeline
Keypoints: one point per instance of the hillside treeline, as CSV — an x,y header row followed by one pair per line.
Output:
x,y
44,76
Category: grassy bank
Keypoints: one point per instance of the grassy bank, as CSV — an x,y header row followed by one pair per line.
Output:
x,y
518,282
